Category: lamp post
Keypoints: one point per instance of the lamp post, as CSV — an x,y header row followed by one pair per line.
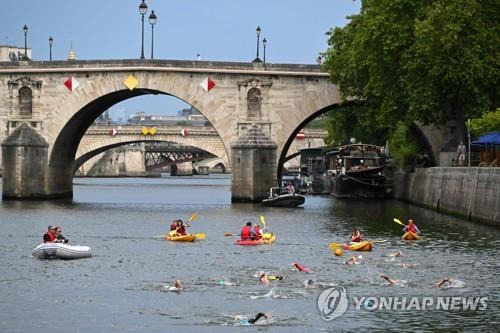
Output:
x,y
264,43
25,29
51,40
152,21
258,39
143,8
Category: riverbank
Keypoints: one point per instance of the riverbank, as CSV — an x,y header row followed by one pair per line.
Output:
x,y
472,193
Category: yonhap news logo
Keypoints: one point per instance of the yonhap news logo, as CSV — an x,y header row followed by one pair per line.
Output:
x,y
333,303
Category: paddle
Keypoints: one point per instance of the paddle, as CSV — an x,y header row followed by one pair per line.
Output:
x,y
200,236
229,234
399,222
334,246
263,221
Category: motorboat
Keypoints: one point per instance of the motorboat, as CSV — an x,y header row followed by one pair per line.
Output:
x,y
279,197
61,251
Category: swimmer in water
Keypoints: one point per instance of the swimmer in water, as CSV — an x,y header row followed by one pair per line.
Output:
x,y
396,254
406,265
442,282
388,279
301,268
264,279
352,261
251,321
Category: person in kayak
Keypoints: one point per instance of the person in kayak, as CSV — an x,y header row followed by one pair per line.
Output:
x,y
257,231
59,237
173,226
290,188
49,236
356,236
253,320
181,228
411,227
247,233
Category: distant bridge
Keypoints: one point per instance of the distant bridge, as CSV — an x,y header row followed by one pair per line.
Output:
x,y
100,138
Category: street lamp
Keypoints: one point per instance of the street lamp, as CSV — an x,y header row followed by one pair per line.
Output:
x,y
264,43
143,8
51,40
25,29
152,21
258,36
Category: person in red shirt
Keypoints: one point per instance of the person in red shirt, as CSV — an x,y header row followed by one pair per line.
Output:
x,y
181,227
49,236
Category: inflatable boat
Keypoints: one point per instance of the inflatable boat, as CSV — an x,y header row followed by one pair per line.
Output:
x,y
268,238
61,251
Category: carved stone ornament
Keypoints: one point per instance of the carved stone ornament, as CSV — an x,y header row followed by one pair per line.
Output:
x,y
24,81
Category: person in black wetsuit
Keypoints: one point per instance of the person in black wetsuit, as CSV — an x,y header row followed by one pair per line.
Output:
x,y
59,237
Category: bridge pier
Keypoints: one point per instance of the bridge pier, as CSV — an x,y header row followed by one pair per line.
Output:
x,y
253,166
24,156
183,169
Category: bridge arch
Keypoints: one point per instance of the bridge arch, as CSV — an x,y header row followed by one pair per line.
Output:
x,y
64,150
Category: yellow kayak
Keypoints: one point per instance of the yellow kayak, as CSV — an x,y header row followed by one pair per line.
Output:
x,y
410,236
182,238
268,238
361,246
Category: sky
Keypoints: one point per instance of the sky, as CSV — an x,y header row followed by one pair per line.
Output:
x,y
219,30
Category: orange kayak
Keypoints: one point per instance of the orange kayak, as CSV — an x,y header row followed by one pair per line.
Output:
x,y
410,236
361,246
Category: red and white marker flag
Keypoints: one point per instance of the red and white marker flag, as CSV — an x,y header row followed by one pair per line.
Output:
x,y
71,83
184,132
112,132
207,84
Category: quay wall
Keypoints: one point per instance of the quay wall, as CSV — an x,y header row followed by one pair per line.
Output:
x,y
472,193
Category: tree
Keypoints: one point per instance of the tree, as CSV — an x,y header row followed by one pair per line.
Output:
x,y
346,122
489,122
428,61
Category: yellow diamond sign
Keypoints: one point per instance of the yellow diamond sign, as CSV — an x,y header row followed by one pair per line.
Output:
x,y
152,131
145,131
131,82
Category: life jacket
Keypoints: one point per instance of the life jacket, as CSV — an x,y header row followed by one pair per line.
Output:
x,y
182,231
246,233
411,228
257,231
51,235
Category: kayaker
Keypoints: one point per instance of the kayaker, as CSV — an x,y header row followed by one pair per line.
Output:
x,y
356,236
258,231
59,237
290,188
247,232
181,228
49,236
411,227
173,226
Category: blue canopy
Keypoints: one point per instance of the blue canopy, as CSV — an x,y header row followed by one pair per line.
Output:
x,y
488,138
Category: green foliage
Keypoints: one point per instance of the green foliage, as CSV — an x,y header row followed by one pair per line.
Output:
x,y
489,122
403,146
430,61
354,121
318,123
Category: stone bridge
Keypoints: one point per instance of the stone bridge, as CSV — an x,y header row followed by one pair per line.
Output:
x,y
60,100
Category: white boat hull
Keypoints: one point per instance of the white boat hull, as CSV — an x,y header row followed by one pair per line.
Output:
x,y
61,251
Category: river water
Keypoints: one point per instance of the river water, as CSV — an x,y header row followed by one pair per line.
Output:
x,y
122,287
